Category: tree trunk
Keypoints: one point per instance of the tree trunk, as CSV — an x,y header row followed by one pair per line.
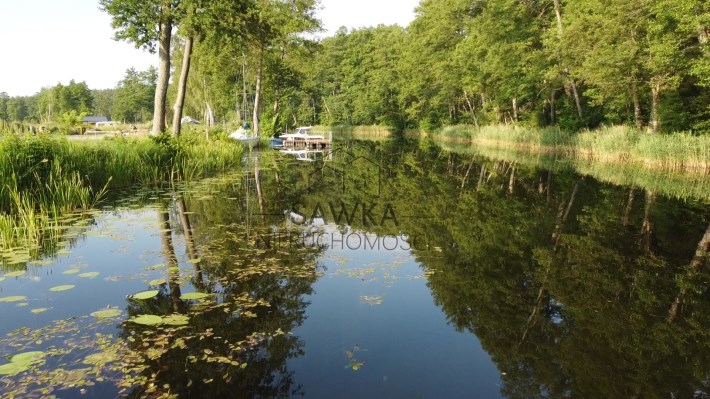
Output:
x,y
655,107
259,193
170,258
515,109
471,109
577,99
161,90
638,117
629,207
558,14
257,96
562,216
182,88
697,264
511,183
647,226
190,243
553,110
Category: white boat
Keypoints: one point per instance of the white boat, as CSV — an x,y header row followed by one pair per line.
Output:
x,y
302,133
246,137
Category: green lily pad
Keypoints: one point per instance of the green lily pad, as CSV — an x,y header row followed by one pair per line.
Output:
x,y
13,298
194,261
155,267
107,313
176,320
194,296
28,358
16,274
61,288
89,275
13,368
72,271
145,294
39,310
159,281
23,305
2,279
147,320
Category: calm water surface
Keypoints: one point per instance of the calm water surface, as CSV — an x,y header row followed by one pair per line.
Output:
x,y
384,269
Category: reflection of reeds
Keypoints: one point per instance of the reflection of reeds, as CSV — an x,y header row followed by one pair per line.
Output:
x,y
676,184
42,178
608,145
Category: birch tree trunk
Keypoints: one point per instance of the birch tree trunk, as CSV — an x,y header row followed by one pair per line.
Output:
x,y
655,107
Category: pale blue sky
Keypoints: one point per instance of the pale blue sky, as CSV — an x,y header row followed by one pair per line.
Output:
x,y
44,42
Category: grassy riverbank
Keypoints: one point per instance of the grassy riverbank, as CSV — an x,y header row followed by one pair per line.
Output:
x,y
42,178
678,152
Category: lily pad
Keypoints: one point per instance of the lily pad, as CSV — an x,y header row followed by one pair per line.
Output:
x,y
194,261
2,279
16,274
61,288
13,298
107,313
145,294
13,368
159,281
89,275
39,310
72,271
28,358
147,320
176,320
194,296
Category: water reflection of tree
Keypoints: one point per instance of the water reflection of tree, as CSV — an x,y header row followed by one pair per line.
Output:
x,y
237,345
568,283
567,301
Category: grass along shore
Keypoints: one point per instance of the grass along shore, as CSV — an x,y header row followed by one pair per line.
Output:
x,y
42,178
677,152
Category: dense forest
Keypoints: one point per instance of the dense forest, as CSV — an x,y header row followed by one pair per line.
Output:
x,y
534,62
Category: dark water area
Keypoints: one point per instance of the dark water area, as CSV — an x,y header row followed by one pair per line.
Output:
x,y
390,269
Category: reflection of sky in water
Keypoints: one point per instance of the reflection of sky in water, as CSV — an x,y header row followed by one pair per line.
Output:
x,y
375,304
371,311
118,248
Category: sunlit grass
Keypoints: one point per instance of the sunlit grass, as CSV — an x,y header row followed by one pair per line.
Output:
x,y
611,144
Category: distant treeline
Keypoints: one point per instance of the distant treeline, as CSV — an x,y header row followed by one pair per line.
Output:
x,y
131,101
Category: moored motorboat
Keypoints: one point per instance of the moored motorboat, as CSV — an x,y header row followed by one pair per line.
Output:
x,y
246,137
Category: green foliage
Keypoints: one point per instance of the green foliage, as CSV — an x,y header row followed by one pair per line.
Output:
x,y
134,96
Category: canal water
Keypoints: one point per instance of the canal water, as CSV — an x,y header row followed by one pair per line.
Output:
x,y
382,269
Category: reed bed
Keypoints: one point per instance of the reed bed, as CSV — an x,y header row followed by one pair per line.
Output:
x,y
371,131
678,152
42,178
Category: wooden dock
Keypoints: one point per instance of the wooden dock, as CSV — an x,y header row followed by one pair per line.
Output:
x,y
308,144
